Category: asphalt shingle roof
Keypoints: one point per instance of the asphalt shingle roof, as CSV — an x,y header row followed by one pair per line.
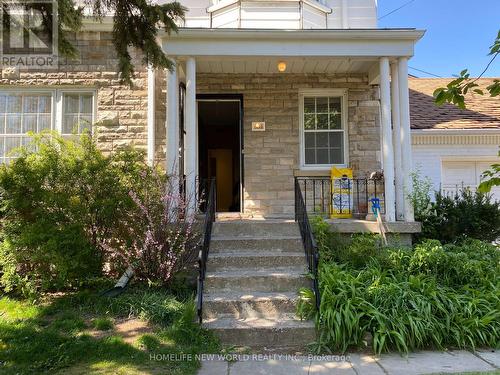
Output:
x,y
483,111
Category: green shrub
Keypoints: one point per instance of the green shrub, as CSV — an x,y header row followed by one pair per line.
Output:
x,y
466,214
63,201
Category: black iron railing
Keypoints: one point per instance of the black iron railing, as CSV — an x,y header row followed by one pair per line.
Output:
x,y
310,247
350,197
204,245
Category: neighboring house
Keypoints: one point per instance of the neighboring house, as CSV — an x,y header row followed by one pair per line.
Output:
x,y
453,147
264,91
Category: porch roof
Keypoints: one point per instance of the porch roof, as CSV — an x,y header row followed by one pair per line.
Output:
x,y
325,43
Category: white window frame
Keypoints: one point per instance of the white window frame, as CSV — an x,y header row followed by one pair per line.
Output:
x,y
57,98
56,104
59,103
340,93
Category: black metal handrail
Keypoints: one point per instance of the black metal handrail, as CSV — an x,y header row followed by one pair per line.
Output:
x,y
310,247
204,245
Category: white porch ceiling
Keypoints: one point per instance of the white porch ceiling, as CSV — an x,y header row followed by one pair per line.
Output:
x,y
294,65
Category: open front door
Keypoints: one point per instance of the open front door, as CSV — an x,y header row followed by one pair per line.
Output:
x,y
220,145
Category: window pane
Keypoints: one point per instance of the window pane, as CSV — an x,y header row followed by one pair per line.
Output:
x,y
321,139
29,123
44,104
310,156
3,100
336,139
85,124
336,156
30,104
2,124
321,105
13,124
335,121
71,103
335,105
10,144
309,122
14,104
86,104
309,106
310,140
323,121
322,155
43,122
70,124
2,150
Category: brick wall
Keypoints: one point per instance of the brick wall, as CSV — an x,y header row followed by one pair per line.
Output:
x,y
121,110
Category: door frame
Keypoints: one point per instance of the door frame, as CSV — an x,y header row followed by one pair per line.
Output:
x,y
230,98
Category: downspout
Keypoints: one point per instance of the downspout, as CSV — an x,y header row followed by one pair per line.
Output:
x,y
120,285
151,116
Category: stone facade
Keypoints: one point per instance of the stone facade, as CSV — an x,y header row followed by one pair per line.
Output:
x,y
121,110
271,158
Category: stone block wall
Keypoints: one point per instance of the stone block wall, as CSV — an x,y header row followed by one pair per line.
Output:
x,y
121,110
272,157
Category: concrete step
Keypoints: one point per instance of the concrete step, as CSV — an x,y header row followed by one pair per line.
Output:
x,y
287,279
255,228
286,243
251,259
284,332
248,305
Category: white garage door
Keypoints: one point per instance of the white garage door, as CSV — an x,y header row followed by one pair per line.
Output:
x,y
458,174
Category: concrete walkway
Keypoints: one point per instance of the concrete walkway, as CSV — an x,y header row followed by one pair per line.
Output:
x,y
425,362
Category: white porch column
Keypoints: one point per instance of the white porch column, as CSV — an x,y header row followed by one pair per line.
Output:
x,y
387,149
172,156
396,129
151,116
191,138
404,109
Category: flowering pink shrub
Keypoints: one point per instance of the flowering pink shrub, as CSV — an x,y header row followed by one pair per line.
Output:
x,y
163,237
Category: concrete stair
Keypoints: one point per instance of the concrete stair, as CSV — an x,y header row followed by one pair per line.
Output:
x,y
254,272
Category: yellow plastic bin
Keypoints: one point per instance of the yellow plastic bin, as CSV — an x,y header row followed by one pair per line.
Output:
x,y
341,193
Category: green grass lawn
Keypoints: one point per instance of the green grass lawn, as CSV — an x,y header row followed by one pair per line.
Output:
x,y
85,333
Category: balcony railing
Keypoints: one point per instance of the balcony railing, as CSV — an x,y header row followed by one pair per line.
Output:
x,y
351,197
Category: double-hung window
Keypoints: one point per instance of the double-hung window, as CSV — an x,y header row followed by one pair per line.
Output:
x,y
323,129
23,111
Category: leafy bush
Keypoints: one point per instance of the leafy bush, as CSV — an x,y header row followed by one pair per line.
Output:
x,y
403,299
450,219
62,200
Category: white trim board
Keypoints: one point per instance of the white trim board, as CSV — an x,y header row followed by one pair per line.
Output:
x,y
289,43
465,137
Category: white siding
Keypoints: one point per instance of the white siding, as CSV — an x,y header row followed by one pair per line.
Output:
x,y
448,165
226,17
361,14
270,15
281,15
313,18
